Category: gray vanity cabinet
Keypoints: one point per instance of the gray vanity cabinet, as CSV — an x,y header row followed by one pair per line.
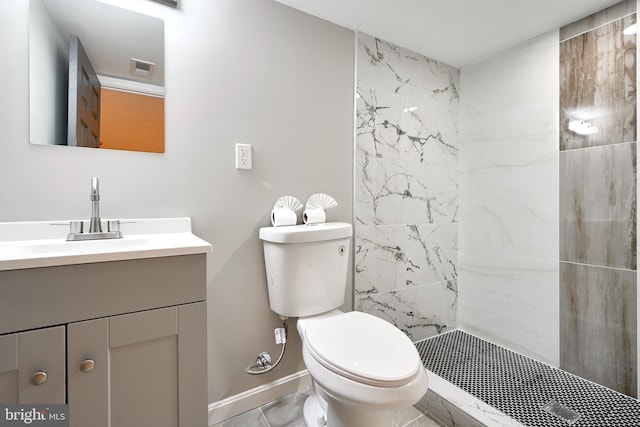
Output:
x,y
137,369
129,345
32,366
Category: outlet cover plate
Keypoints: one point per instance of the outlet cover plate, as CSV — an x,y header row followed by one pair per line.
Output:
x,y
244,158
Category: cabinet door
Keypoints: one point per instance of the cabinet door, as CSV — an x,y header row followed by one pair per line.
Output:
x,y
32,367
88,373
148,369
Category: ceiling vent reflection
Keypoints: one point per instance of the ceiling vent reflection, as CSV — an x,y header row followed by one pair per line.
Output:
x,y
142,68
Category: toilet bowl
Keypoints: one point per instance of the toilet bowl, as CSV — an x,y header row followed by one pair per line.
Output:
x,y
363,368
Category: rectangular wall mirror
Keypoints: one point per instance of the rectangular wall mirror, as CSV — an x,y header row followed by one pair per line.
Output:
x,y
96,76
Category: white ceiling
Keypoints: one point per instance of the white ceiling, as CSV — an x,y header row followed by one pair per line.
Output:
x,y
112,36
457,32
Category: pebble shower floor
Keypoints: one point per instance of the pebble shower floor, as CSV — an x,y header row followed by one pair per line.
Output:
x,y
531,392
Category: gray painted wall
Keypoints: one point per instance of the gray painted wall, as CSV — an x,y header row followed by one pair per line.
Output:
x,y
247,71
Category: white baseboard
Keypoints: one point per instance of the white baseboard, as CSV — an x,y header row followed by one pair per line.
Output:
x,y
250,399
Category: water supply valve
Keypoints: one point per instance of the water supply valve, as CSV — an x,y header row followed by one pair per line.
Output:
x,y
264,359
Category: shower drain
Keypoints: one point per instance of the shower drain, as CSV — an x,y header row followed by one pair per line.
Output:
x,y
531,392
561,411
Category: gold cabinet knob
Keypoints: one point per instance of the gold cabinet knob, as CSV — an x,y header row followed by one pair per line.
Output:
x,y
87,365
38,378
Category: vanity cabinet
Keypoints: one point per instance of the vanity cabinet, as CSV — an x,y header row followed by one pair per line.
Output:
x,y
128,348
137,369
32,366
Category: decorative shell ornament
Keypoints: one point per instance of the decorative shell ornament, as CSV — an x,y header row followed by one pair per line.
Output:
x,y
288,202
315,207
321,201
285,211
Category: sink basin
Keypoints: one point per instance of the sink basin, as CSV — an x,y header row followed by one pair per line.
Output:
x,y
33,244
34,248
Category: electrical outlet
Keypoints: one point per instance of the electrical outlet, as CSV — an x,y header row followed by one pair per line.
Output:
x,y
243,156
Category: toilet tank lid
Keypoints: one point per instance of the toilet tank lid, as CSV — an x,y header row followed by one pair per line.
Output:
x,y
306,233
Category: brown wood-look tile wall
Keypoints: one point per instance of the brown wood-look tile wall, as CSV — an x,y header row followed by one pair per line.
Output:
x,y
598,277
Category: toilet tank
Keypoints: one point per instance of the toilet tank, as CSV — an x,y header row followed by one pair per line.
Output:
x,y
306,267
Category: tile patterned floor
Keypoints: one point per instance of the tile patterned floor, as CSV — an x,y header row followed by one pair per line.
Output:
x,y
287,412
531,392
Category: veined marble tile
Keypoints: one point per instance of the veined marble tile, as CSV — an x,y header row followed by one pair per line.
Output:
x,y
447,413
524,75
598,206
598,85
510,178
508,160
396,127
598,331
515,148
526,229
511,300
509,197
508,222
509,202
532,127
419,311
404,192
390,68
391,258
455,407
406,173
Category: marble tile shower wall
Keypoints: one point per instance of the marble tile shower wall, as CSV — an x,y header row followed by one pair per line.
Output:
x,y
406,204
598,277
508,256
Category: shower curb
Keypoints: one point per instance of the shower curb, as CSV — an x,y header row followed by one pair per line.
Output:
x,y
452,406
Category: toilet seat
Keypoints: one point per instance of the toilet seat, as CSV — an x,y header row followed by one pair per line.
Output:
x,y
363,348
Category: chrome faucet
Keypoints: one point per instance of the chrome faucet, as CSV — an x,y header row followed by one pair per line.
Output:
x,y
95,223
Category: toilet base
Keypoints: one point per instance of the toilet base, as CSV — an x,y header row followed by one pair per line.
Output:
x,y
332,413
314,415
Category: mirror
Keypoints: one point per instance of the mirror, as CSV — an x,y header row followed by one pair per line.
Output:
x,y
121,102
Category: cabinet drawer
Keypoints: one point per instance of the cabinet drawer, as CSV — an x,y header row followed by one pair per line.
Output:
x,y
40,297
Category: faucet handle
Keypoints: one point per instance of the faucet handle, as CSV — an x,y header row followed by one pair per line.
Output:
x,y
113,225
76,227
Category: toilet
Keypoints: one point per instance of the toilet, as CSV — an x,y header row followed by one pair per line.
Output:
x,y
363,367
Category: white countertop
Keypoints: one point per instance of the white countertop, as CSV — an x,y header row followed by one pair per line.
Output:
x,y
43,243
